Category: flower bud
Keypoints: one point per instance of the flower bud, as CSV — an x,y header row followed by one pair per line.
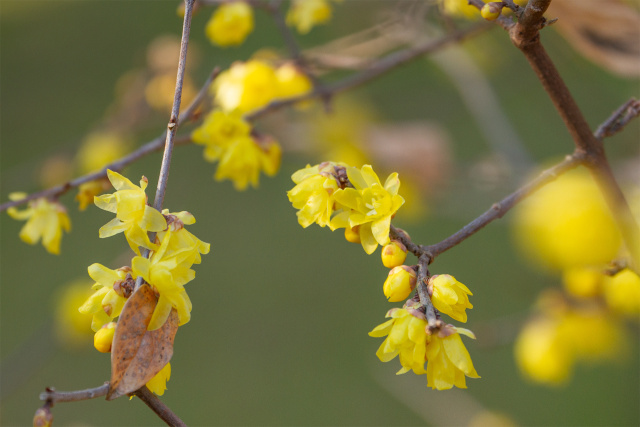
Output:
x,y
43,417
352,234
393,254
399,284
491,11
103,339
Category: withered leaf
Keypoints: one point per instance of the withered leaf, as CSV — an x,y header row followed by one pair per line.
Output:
x,y
137,354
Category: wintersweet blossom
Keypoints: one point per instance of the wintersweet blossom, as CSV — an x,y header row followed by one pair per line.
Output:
x,y
112,288
230,24
449,296
306,14
158,384
133,216
313,194
399,284
369,205
449,361
244,159
183,244
622,292
246,86
167,274
218,130
45,219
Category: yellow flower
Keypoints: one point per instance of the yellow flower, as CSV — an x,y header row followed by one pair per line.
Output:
x,y
313,194
72,327
449,360
449,296
622,292
393,254
567,224
158,384
592,333
183,245
370,205
305,14
218,131
166,273
112,288
246,86
99,149
133,215
291,81
399,284
230,24
406,337
459,8
583,282
45,219
241,163
89,190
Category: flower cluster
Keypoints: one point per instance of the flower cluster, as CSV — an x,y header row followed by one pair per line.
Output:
x,y
340,196
45,219
246,86
408,336
230,24
306,14
241,155
167,270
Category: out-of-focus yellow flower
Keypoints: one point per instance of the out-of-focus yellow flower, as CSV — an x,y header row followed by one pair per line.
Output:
x,y
593,334
218,130
370,205
72,327
45,219
158,384
449,361
622,292
166,272
271,155
103,338
112,288
133,215
230,24
491,419
89,190
459,8
56,170
306,14
542,354
241,163
583,282
567,224
399,284
449,296
100,149
160,91
406,337
291,81
246,86
313,194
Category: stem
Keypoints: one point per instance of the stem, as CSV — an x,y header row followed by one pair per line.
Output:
x,y
53,396
157,406
173,121
423,293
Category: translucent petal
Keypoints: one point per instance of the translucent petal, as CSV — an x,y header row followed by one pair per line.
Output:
x,y
111,228
20,215
106,202
348,197
103,275
119,182
382,329
153,220
140,267
392,184
370,176
160,314
380,230
458,354
369,243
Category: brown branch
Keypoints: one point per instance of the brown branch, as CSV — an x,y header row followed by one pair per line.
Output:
x,y
53,396
423,293
525,36
157,406
619,119
148,148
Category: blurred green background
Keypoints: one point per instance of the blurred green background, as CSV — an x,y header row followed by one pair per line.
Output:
x,y
281,314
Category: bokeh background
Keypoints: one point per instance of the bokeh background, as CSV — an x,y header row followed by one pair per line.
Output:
x,y
281,314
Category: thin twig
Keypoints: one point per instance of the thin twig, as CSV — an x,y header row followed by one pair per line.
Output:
x,y
423,293
373,70
619,119
162,410
54,396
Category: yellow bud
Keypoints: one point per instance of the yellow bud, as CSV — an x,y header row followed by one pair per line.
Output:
x,y
393,254
352,234
582,282
103,339
399,283
622,292
491,11
43,417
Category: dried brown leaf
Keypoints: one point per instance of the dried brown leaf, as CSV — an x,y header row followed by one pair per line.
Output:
x,y
137,354
606,32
